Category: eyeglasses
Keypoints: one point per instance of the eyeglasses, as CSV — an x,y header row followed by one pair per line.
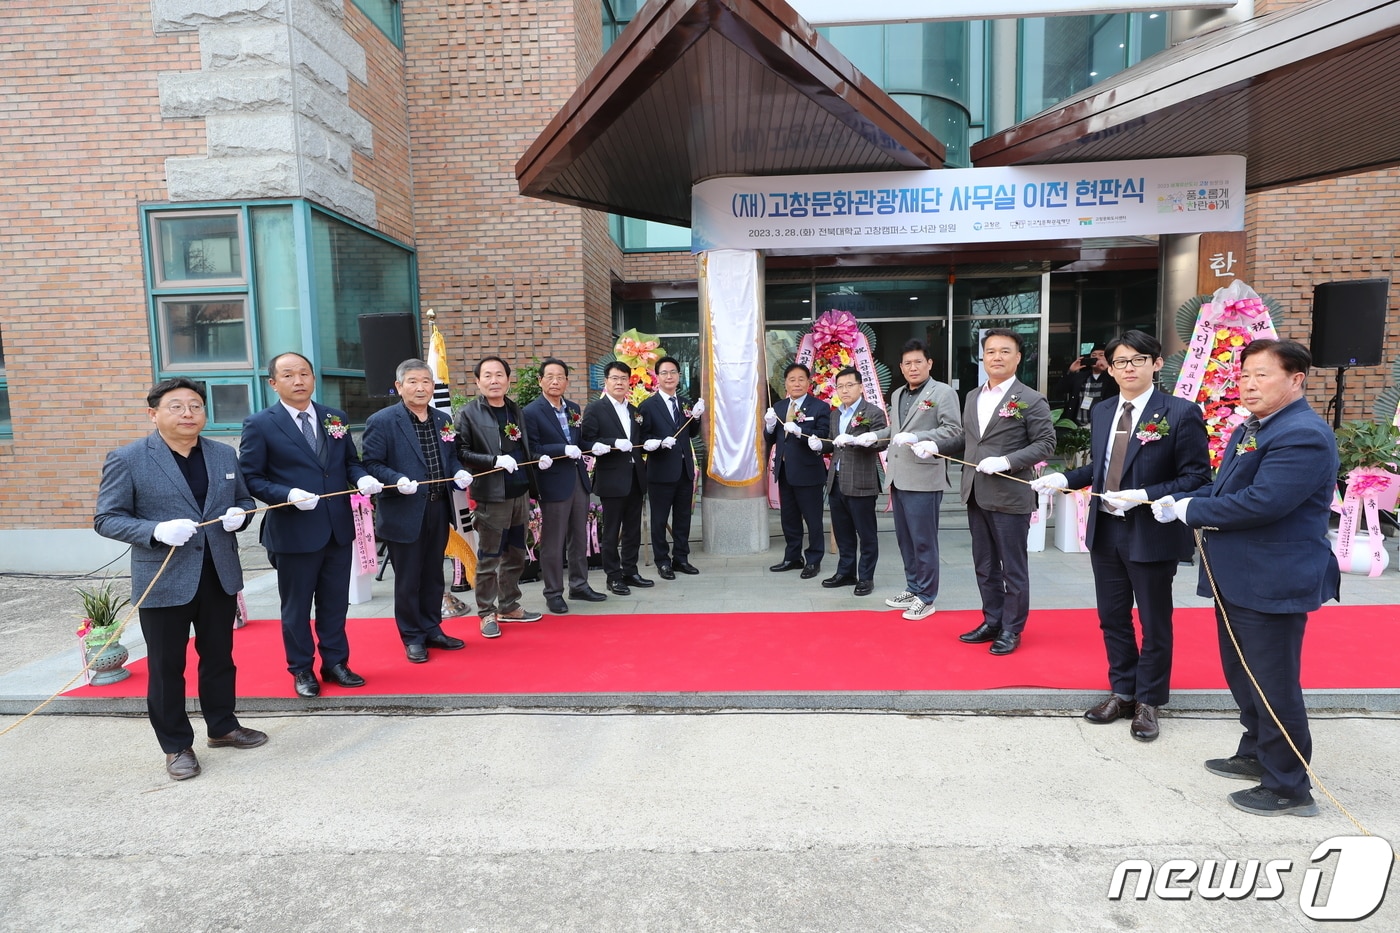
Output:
x,y
1139,361
179,408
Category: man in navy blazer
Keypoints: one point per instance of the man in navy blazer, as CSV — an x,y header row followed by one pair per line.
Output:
x,y
799,468
404,445
612,432
554,426
155,495
1264,544
1145,445
669,423
295,451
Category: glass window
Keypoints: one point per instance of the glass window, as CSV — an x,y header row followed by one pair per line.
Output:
x,y
347,393
385,15
787,302
890,299
637,236
1063,55
275,279
7,428
354,273
204,332
197,249
967,351
229,403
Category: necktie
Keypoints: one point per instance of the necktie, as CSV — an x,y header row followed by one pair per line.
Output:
x,y
1114,478
793,409
675,411
306,430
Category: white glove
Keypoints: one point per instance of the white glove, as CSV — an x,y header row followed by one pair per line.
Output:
x,y
770,418
572,452
1165,510
302,499
668,442
867,439
1049,482
463,479
369,486
623,444
406,486
924,449
904,439
545,462
507,462
1125,499
843,439
994,465
175,532
792,427
233,518
651,443
814,443
698,408
599,448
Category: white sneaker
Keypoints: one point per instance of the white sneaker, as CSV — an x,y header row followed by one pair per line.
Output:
x,y
902,601
918,609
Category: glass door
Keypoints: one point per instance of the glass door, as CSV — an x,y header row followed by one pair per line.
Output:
x,y
981,304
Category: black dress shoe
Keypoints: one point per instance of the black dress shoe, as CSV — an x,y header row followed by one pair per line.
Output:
x,y
182,765
980,634
1006,643
444,641
636,579
840,579
787,565
1144,727
307,685
685,567
417,654
618,588
239,738
665,572
587,595
810,571
556,605
342,675
1110,710
865,587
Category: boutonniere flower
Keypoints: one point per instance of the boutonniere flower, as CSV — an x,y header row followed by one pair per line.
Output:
x,y
575,419
1248,446
334,427
926,405
448,434
801,416
637,418
859,421
1012,408
511,430
686,412
1154,429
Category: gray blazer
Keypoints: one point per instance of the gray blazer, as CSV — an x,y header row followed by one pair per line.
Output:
x,y
857,467
932,417
142,486
1024,440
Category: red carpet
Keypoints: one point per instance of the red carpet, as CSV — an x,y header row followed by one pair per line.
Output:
x,y
753,652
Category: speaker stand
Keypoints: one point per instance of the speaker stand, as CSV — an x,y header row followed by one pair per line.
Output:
x,y
1337,399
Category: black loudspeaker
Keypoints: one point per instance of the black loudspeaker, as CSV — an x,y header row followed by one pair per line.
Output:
x,y
1348,326
387,340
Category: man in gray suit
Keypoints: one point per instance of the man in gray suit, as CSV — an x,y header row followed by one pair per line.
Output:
x,y
1006,430
924,413
853,482
156,495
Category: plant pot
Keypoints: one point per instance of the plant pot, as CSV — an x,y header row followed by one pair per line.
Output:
x,y
105,664
1360,556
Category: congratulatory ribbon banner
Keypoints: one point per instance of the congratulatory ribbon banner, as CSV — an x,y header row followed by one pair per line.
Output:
x,y
970,205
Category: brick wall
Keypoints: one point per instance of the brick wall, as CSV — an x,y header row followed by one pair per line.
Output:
x,y
384,103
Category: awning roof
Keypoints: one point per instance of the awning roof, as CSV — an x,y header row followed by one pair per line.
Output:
x,y
1305,93
695,89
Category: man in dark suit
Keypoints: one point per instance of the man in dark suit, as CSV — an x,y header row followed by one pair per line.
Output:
x,y
1145,445
612,432
1006,429
799,468
295,451
554,426
155,494
1264,544
490,439
670,467
853,483
403,445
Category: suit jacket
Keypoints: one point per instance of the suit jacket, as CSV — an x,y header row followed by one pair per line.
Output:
x,y
858,468
556,484
1177,462
275,459
391,450
479,444
667,466
613,471
1025,441
1264,519
804,466
933,417
142,486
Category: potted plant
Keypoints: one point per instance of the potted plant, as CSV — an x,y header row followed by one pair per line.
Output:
x,y
1071,440
1368,453
100,631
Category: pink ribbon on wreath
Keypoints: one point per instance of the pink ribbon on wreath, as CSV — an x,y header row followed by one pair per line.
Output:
x,y
1369,489
836,327
366,555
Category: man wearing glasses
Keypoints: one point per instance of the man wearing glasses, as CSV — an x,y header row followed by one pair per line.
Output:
x,y
1148,445
668,424
612,432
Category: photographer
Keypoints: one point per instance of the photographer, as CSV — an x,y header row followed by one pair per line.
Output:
x,y
1086,383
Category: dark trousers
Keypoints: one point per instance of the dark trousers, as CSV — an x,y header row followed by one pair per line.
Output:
x,y
673,501
916,532
853,524
798,506
167,633
322,577
1273,648
1141,674
564,524
1003,571
418,583
500,534
621,535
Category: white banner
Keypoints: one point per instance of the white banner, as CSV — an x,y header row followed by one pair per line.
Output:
x,y
970,205
731,325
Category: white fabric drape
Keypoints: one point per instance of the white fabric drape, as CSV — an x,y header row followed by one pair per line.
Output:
x,y
731,325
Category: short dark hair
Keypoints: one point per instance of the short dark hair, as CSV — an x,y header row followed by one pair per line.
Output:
x,y
1292,354
486,359
915,345
1007,333
272,363
847,371
553,361
669,359
166,386
792,366
619,366
1135,340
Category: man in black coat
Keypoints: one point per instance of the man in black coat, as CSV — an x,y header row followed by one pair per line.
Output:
x,y
612,432
669,423
800,469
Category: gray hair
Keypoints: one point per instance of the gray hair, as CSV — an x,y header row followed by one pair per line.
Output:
x,y
407,366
